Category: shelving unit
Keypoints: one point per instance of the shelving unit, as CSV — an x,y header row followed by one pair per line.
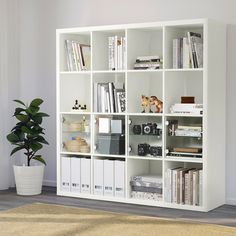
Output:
x,y
206,84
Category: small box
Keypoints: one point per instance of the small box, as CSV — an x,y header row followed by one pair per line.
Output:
x,y
111,144
104,125
187,99
116,126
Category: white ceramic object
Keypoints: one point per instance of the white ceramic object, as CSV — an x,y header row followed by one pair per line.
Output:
x,y
29,179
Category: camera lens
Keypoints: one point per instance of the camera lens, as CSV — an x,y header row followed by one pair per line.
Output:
x,y
147,129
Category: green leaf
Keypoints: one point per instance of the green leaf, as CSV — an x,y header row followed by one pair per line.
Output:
x,y
36,102
16,149
13,138
37,119
18,110
35,146
22,118
42,114
26,130
40,159
41,139
18,101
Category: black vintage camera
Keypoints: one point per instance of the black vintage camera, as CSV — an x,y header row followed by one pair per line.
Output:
x,y
151,129
143,149
155,150
137,129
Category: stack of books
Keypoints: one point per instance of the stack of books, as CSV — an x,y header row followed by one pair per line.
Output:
x,y
117,52
147,63
188,51
109,99
78,56
147,187
184,130
184,186
187,108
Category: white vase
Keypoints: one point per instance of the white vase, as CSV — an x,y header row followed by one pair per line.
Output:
x,y
29,179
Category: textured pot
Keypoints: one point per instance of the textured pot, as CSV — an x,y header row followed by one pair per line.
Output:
x,y
29,179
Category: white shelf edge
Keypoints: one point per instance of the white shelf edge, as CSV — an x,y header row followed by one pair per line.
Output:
x,y
75,153
145,71
184,70
130,200
109,155
108,71
182,115
184,159
75,113
145,114
74,72
145,158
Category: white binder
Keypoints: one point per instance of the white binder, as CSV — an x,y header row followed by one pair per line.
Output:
x,y
85,175
119,178
65,174
108,178
75,175
98,177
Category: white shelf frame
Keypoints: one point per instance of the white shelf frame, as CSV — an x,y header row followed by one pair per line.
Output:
x,y
213,74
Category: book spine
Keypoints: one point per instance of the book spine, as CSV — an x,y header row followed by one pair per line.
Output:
x,y
200,188
174,186
190,49
110,52
75,59
67,56
186,190
190,188
168,181
175,53
186,54
111,95
95,97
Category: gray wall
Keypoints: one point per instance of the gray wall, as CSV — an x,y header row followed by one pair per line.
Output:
x,y
38,21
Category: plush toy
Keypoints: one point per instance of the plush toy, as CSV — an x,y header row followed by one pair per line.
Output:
x,y
145,103
157,103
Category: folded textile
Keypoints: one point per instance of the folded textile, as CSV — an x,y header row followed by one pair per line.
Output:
x,y
146,196
145,184
147,178
146,189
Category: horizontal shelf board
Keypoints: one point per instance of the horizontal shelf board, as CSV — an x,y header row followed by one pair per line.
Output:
x,y
75,113
130,200
145,114
75,153
182,115
74,72
108,71
109,155
109,114
184,159
144,71
184,70
145,158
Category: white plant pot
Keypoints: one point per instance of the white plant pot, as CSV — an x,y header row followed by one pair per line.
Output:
x,y
29,179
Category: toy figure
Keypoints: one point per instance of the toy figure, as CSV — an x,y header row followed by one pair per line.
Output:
x,y
156,102
145,104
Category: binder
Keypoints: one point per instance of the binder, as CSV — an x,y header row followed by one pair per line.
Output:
x,y
119,178
85,175
65,174
108,178
98,177
75,175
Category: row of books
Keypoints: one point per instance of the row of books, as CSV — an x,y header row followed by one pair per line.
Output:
x,y
117,52
184,186
148,187
108,98
78,55
188,51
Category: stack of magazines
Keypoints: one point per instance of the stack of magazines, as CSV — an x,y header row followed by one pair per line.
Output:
x,y
148,187
147,63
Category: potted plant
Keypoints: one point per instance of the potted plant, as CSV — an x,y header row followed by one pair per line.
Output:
x,y
27,135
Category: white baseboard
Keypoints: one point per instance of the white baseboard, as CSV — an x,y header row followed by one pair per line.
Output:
x,y
231,201
51,183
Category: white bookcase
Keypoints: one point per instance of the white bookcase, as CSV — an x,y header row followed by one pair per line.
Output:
x,y
206,84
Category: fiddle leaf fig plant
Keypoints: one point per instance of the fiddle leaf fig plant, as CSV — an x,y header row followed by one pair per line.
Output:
x,y
28,134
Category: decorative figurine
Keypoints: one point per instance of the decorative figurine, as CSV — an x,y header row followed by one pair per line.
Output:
x,y
145,104
79,107
157,103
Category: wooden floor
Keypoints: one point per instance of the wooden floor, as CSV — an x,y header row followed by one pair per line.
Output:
x,y
225,215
